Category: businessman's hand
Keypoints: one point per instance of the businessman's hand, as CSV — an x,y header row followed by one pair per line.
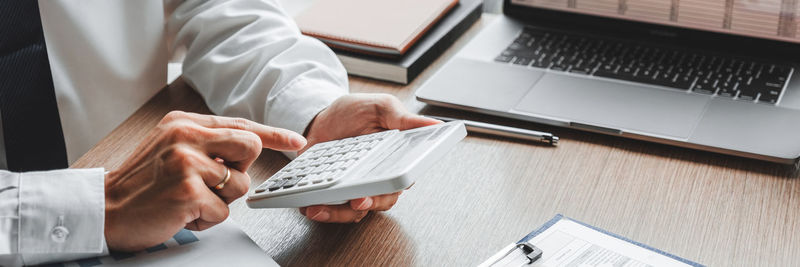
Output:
x,y
353,115
168,183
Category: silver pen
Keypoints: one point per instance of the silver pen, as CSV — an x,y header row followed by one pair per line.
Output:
x,y
505,131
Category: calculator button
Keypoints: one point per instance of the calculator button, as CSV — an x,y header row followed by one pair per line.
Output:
x,y
335,166
318,179
276,185
286,175
291,182
373,143
361,146
306,164
320,168
322,176
333,158
348,163
334,174
263,187
332,152
348,147
340,150
299,165
328,144
306,171
321,160
312,177
348,155
314,154
291,165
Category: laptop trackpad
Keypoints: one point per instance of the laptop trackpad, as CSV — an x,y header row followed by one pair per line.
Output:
x,y
622,106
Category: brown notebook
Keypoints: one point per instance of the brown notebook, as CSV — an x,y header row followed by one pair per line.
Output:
x,y
378,27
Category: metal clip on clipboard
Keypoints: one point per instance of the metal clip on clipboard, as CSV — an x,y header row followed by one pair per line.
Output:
x,y
531,252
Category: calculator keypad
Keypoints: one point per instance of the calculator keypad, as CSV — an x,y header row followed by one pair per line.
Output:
x,y
323,164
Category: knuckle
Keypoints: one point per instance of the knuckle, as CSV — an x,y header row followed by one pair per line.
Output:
x,y
246,142
243,185
380,104
359,216
240,190
179,156
173,116
188,192
277,136
385,100
220,212
181,131
251,141
240,123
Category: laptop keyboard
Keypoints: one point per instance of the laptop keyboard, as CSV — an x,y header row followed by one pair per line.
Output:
x,y
703,73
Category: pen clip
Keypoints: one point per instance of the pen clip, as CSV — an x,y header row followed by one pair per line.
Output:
x,y
531,253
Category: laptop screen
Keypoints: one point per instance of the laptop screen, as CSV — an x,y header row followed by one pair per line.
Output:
x,y
768,19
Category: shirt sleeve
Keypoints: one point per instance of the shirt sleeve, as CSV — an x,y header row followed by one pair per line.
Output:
x,y
248,59
51,216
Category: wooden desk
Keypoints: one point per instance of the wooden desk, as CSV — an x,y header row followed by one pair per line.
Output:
x,y
715,209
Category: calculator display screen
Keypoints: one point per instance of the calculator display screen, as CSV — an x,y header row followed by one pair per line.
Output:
x,y
402,155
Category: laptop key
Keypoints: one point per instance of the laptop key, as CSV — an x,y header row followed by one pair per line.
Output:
x,y
747,94
503,58
542,62
583,70
769,96
522,61
726,89
559,67
705,86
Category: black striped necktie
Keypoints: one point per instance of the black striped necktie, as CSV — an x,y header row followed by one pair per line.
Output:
x,y
31,125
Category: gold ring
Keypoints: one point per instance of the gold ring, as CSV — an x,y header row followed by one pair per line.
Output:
x,y
227,177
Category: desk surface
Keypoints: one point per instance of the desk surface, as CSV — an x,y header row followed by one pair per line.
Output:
x,y
715,209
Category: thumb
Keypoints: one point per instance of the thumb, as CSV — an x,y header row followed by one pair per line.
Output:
x,y
406,120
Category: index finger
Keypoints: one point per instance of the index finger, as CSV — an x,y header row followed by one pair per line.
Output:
x,y
271,137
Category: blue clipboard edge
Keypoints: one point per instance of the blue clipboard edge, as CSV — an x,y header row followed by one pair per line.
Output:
x,y
559,217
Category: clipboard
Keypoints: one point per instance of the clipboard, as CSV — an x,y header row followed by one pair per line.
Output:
x,y
524,253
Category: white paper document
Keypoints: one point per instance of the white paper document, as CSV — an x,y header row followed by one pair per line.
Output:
x,y
568,243
222,245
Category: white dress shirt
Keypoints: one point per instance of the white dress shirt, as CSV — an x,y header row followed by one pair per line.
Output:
x,y
245,57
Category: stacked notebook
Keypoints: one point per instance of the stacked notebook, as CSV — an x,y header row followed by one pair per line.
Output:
x,y
388,39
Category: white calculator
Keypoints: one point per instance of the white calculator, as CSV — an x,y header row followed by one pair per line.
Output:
x,y
368,165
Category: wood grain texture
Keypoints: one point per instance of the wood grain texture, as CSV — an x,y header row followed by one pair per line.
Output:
x,y
488,192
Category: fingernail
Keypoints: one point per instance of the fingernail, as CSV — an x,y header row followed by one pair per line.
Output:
x,y
298,141
366,204
322,215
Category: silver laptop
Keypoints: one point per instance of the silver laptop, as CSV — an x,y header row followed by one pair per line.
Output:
x,y
711,75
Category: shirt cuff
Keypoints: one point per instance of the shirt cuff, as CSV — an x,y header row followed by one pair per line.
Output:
x,y
295,107
61,212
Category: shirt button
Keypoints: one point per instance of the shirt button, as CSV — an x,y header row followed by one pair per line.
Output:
x,y
59,234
